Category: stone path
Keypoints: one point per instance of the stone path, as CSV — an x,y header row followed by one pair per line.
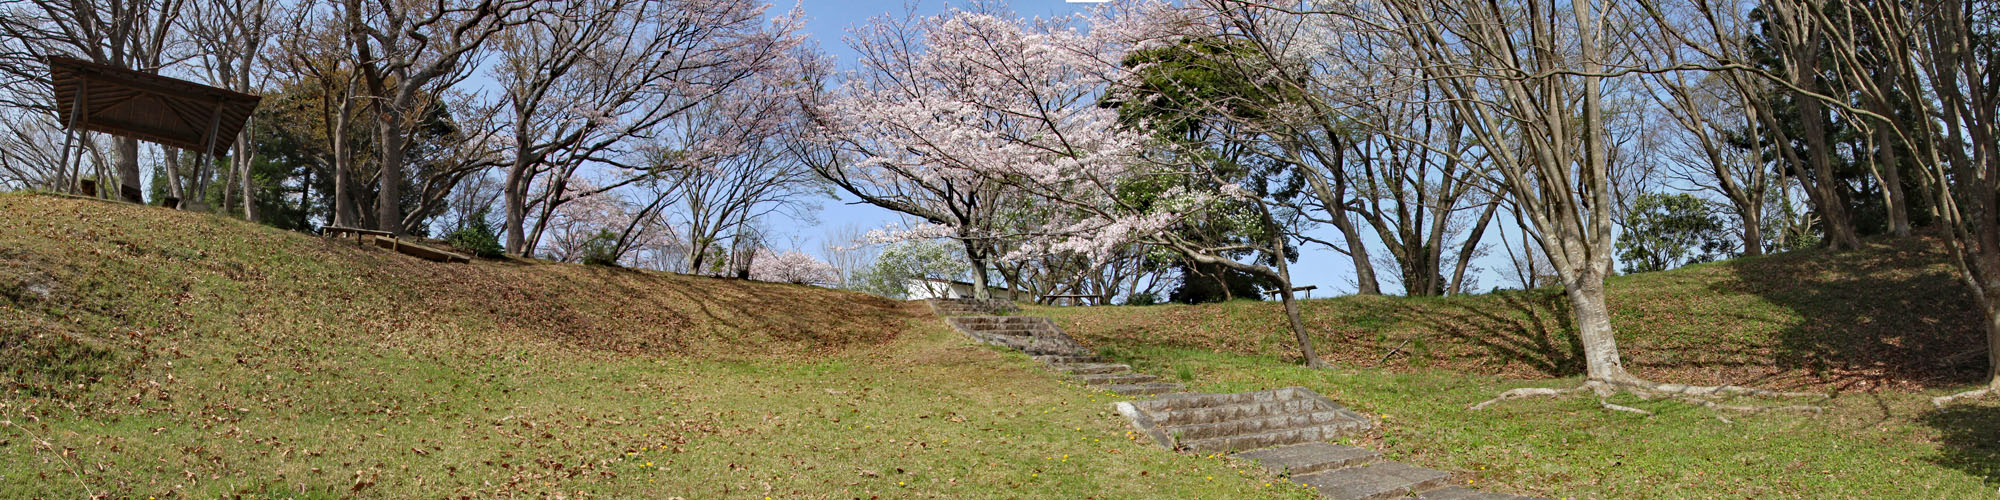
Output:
x,y
1284,430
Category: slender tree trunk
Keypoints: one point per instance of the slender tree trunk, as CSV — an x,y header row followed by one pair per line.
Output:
x,y
516,203
1466,252
172,164
246,159
1292,307
345,211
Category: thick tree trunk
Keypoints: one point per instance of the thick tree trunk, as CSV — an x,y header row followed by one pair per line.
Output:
x,y
1892,184
1585,290
979,290
388,197
1364,271
1834,218
128,171
1753,231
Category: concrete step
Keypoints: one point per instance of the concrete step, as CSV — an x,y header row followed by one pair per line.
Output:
x,y
1302,459
1459,493
1280,437
1379,481
1147,389
1090,368
1258,425
1214,400
1209,415
1115,378
1055,359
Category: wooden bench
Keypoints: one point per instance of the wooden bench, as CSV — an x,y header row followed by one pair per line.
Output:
x,y
361,236
1307,289
389,241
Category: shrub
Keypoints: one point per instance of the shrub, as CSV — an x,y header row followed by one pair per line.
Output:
x,y
477,238
601,249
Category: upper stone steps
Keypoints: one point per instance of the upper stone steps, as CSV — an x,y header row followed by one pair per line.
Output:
x,y
1255,425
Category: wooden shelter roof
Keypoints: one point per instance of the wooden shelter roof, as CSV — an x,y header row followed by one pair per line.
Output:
x,y
149,107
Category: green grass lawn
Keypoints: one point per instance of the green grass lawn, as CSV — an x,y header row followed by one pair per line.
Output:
x,y
151,353
1883,444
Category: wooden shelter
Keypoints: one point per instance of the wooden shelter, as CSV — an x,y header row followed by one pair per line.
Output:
x,y
153,108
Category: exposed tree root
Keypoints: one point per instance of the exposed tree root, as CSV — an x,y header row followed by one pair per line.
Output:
x,y
1940,401
1694,394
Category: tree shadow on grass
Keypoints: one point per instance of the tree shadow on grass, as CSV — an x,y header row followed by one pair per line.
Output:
x,y
1512,333
1968,440
1893,313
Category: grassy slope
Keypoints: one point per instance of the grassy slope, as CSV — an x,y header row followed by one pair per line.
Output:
x,y
1868,326
150,353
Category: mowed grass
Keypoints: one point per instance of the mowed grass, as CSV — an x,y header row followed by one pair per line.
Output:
x,y
1891,315
1880,330
1882,444
150,353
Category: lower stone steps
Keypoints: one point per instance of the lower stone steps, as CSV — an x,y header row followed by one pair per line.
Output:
x,y
1091,368
1148,389
1115,378
1302,459
1380,481
1280,437
1458,493
1256,425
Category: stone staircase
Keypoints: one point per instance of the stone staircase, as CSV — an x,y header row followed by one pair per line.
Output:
x,y
1041,339
1285,430
972,307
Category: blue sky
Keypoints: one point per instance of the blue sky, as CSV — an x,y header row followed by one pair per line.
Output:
x,y
828,21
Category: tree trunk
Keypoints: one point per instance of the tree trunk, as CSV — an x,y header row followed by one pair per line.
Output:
x,y
1892,184
1364,271
172,164
246,158
345,213
1826,196
388,197
979,290
1465,253
1292,309
516,191
128,171
1753,231
1585,290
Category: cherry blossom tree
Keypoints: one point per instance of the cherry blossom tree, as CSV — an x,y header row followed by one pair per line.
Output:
x,y
792,266
955,113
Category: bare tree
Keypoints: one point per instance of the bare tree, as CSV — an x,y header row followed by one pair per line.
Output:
x,y
404,53
593,78
126,34
229,40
